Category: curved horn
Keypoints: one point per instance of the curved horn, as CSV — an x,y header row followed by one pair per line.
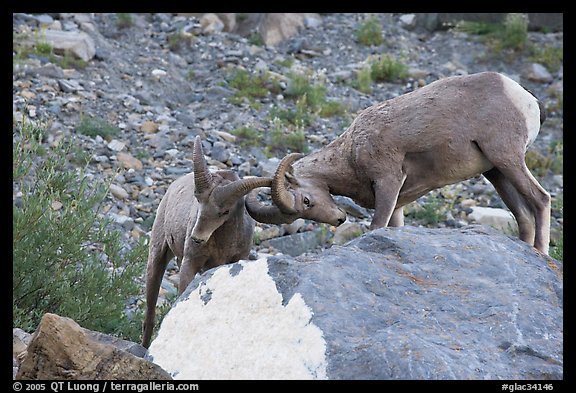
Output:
x,y
239,188
266,214
202,176
280,195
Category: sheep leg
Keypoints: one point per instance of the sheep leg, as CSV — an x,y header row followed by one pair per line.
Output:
x,y
192,262
516,203
514,169
158,258
397,219
386,193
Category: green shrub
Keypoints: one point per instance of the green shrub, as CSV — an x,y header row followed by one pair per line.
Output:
x,y
178,41
281,140
251,87
248,136
123,20
93,126
550,57
511,34
300,117
432,212
364,80
551,161
387,69
515,31
66,259
370,32
311,97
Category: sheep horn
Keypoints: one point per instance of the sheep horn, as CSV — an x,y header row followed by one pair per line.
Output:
x,y
202,176
280,195
239,188
266,214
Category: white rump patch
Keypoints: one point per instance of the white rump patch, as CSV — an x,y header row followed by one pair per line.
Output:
x,y
526,103
235,327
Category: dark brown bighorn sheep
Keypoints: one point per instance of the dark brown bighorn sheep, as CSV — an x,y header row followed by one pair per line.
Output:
x,y
394,152
202,221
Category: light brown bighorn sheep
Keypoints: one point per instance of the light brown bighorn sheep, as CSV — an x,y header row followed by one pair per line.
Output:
x,y
398,150
202,221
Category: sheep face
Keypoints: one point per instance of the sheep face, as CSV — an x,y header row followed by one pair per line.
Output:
x,y
215,207
296,198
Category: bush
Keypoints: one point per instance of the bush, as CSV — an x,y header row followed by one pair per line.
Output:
x,y
387,69
370,32
93,126
67,260
364,80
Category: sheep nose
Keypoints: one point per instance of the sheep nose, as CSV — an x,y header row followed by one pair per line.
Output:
x,y
341,221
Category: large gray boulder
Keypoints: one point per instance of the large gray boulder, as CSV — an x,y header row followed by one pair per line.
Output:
x,y
395,303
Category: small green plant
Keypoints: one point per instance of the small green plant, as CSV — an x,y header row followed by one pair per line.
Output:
x,y
286,63
93,126
123,20
477,28
331,108
67,259
432,211
178,41
248,136
280,140
549,56
515,31
251,87
370,32
255,38
557,250
43,48
311,97
552,161
300,117
557,247
387,69
364,80
557,102
510,35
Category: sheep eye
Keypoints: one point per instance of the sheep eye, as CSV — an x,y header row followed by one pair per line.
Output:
x,y
224,213
306,202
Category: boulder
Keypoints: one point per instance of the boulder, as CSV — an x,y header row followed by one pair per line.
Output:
x,y
501,219
275,27
395,303
78,43
61,349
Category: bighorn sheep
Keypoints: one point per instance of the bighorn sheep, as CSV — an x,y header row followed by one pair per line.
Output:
x,y
398,150
202,221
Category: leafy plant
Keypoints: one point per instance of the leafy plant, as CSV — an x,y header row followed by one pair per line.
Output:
x,y
511,34
432,211
248,136
387,69
370,32
549,56
251,87
281,140
67,259
93,126
124,20
364,80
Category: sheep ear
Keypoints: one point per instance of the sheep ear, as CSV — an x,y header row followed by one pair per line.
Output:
x,y
291,178
202,177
